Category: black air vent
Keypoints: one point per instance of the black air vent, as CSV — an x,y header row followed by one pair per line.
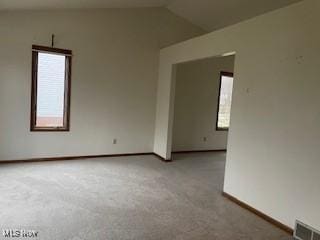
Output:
x,y
305,232
316,236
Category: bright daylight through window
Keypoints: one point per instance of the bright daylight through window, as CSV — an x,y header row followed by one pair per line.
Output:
x,y
225,97
50,91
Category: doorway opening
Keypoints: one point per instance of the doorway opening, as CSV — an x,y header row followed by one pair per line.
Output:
x,y
202,104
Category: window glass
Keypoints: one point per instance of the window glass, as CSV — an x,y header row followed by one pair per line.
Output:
x,y
225,99
50,90
51,78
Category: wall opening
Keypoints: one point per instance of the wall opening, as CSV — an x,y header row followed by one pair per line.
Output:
x,y
202,104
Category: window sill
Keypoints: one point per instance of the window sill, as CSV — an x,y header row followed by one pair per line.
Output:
x,y
49,129
222,129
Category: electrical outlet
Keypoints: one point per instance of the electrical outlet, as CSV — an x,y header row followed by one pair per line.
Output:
x,y
114,141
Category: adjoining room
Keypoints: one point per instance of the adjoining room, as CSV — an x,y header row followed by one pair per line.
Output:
x,y
202,107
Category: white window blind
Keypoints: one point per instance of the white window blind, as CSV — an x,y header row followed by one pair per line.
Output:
x,y
50,90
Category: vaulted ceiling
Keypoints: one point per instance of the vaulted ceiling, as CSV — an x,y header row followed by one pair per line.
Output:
x,y
207,14
215,14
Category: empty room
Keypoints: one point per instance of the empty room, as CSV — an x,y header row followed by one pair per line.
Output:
x,y
160,119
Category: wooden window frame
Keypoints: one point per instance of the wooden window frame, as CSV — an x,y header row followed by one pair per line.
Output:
x,y
67,88
222,74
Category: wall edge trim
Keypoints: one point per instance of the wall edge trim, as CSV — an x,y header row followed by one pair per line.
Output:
x,y
63,158
260,214
201,151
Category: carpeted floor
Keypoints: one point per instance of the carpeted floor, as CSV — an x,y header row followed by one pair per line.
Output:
x,y
125,198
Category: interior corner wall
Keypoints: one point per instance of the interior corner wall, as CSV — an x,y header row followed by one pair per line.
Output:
x,y
113,85
273,153
196,104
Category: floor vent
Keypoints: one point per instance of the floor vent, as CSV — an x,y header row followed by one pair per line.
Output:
x,y
316,236
305,232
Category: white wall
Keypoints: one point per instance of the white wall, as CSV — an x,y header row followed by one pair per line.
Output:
x,y
114,78
273,161
196,103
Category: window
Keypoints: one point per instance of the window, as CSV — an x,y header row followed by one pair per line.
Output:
x,y
224,103
50,96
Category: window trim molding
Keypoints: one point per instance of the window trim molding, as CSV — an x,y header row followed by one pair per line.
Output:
x,y
67,93
222,74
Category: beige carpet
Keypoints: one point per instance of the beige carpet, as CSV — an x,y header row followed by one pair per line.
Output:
x,y
126,198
